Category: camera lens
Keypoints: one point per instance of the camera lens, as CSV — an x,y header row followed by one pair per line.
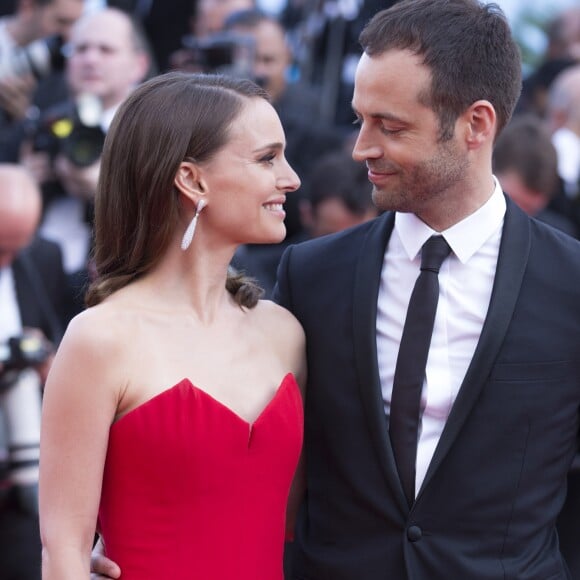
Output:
x,y
84,145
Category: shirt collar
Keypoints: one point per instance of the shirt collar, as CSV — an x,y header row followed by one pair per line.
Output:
x,y
107,118
465,237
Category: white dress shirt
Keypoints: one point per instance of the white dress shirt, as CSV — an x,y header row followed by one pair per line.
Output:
x,y
465,285
567,145
10,323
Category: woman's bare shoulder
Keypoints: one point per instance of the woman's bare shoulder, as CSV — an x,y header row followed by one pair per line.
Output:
x,y
286,335
282,329
276,317
97,330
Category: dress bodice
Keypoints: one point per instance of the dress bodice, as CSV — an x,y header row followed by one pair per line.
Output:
x,y
191,490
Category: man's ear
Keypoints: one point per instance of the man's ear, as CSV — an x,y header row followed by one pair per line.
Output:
x,y
480,124
188,180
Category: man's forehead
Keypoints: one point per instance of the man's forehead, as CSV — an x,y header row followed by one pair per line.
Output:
x,y
101,30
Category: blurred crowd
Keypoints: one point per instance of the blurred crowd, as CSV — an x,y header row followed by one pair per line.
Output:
x,y
65,67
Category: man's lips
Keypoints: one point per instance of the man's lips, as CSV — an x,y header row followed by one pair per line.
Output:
x,y
376,175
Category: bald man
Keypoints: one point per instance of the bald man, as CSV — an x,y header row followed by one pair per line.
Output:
x,y
33,302
20,209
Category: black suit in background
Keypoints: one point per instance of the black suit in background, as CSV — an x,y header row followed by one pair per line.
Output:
x,y
497,480
43,301
43,295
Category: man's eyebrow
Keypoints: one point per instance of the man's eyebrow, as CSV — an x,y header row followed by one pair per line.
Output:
x,y
382,116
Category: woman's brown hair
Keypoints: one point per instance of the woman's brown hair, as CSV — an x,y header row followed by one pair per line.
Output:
x,y
170,118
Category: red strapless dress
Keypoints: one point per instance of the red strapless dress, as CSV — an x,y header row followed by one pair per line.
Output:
x,y
193,492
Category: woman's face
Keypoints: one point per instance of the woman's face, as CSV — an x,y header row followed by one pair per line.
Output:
x,y
248,179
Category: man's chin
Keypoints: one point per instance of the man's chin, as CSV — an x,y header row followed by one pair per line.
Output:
x,y
389,200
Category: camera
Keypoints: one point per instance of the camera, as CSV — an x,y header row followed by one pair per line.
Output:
x,y
223,53
38,58
26,350
72,129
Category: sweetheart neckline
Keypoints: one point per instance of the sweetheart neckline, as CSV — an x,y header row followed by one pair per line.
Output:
x,y
186,382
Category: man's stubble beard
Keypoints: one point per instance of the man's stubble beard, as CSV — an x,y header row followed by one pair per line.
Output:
x,y
425,182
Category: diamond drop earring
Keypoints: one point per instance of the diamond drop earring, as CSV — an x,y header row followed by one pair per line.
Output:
x,y
188,235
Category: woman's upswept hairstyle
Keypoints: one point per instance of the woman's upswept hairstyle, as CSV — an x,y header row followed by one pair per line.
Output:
x,y
168,119
468,47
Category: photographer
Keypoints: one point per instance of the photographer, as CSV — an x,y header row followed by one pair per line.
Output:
x,y
106,59
34,308
28,42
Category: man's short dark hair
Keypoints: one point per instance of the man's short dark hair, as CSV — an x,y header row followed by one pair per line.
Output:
x,y
468,47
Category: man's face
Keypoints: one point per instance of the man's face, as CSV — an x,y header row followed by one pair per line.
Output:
x,y
411,169
531,201
271,58
58,17
104,60
332,215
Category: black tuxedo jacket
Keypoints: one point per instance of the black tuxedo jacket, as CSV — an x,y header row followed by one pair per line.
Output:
x,y
497,481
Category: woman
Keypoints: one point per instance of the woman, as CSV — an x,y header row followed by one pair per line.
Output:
x,y
172,413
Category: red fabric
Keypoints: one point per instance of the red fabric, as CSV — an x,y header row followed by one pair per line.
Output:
x,y
192,491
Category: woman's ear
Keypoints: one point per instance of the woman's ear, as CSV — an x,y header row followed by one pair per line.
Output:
x,y
189,181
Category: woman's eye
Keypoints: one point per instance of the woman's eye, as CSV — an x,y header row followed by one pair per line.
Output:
x,y
268,158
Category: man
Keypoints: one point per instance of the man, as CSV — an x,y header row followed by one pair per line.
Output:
x,y
107,58
33,309
499,409
525,163
32,20
338,196
563,115
272,61
437,82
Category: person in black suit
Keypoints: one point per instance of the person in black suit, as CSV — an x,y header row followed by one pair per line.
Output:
x,y
33,311
499,411
525,162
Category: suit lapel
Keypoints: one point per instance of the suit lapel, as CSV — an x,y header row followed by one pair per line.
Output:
x,y
511,265
366,291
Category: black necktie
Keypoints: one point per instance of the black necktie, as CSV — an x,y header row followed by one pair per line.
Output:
x,y
411,362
